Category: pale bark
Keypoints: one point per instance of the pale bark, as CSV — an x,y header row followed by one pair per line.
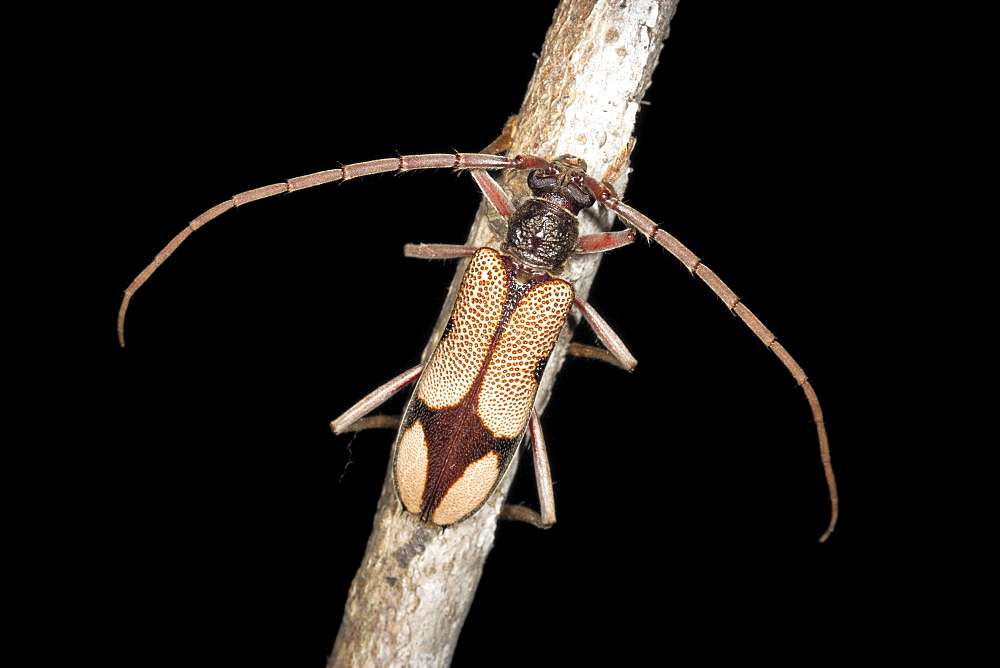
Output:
x,y
416,583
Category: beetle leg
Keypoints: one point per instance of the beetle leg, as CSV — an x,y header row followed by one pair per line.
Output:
x,y
493,192
607,335
372,422
543,480
605,241
506,138
374,400
496,195
616,166
589,243
543,474
438,251
594,353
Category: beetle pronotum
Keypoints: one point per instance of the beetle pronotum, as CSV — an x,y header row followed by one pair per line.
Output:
x,y
474,398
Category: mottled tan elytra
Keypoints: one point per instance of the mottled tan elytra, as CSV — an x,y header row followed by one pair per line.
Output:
x,y
474,398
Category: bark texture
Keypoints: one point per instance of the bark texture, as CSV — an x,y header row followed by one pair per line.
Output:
x,y
416,583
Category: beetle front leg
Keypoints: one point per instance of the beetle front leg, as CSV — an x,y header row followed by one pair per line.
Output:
x,y
604,241
438,251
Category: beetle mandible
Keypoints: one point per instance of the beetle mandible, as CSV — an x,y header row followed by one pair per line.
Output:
x,y
474,398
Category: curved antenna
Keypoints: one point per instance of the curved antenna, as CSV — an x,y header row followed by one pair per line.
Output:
x,y
644,225
403,163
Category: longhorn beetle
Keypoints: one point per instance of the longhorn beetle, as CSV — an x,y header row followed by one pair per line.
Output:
x,y
474,398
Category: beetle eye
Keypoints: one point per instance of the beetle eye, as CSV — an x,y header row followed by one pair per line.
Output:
x,y
540,181
581,195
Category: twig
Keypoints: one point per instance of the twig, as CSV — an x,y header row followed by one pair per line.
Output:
x,y
416,583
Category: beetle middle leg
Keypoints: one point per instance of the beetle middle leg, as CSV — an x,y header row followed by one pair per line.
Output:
x,y
351,419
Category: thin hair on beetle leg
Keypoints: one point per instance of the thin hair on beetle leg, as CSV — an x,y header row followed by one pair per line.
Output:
x,y
350,458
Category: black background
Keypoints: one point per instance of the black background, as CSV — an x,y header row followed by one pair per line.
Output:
x,y
224,522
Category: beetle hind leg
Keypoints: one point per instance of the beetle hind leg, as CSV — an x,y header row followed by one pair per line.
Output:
x,y
543,479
